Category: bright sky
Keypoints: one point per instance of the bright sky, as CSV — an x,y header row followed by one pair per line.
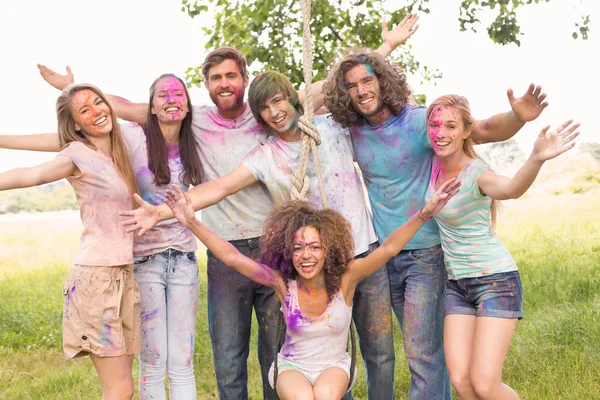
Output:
x,y
122,46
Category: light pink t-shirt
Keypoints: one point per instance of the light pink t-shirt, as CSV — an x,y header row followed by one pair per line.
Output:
x,y
101,194
222,145
169,233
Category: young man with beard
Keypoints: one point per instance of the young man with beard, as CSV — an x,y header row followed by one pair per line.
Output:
x,y
370,97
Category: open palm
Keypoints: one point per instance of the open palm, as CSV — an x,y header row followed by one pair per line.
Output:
x,y
181,206
550,144
529,106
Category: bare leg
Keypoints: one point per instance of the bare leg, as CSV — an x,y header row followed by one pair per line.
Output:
x,y
332,384
459,331
293,385
490,346
115,376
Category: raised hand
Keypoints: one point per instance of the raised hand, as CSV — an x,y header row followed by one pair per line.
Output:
x,y
529,106
181,205
550,144
401,32
55,79
144,217
441,197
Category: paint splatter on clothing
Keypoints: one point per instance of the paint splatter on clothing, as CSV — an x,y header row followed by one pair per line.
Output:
x,y
273,162
471,248
101,194
314,343
395,160
166,234
222,145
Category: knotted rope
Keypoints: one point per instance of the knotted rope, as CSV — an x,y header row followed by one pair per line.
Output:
x,y
310,135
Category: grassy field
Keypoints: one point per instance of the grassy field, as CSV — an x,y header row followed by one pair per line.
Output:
x,y
555,353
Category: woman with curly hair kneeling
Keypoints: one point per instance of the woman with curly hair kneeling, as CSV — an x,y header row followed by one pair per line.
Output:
x,y
308,258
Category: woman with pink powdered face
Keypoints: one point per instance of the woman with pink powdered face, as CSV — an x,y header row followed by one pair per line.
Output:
x,y
307,257
162,152
484,295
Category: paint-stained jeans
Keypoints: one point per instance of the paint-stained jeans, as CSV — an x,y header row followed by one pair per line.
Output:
x,y
417,290
169,300
373,319
231,297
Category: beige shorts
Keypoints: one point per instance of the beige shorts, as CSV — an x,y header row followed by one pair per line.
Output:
x,y
102,312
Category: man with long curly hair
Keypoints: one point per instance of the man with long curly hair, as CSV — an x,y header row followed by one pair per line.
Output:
x,y
370,96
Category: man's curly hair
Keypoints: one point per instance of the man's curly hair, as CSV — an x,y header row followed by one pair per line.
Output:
x,y
277,243
395,92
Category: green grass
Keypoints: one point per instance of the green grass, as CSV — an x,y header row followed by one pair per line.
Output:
x,y
555,353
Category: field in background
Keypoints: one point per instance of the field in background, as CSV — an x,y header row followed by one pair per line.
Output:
x,y
555,354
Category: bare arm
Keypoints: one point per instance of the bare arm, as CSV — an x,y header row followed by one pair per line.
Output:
x,y
136,112
181,207
394,38
51,171
547,146
147,216
503,126
39,142
363,267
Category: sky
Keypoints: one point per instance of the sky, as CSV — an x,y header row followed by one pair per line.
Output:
x,y
121,46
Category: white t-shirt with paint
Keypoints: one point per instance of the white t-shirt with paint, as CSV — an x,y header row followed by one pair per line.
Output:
x,y
222,145
273,162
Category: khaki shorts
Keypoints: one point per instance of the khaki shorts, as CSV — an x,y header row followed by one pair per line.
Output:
x,y
102,312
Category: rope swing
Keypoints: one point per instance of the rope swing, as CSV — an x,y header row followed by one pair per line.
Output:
x,y
310,135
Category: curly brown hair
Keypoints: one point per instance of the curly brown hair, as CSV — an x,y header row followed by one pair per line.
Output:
x,y
395,91
277,243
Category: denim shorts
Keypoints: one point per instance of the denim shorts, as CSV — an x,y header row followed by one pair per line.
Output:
x,y
497,295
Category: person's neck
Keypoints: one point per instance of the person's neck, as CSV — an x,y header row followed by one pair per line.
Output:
x,y
312,286
291,136
454,163
102,144
380,116
232,114
170,131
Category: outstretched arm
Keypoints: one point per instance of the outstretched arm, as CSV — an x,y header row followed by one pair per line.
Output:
x,y
147,216
394,38
181,207
51,171
39,142
391,40
136,112
503,126
363,267
547,146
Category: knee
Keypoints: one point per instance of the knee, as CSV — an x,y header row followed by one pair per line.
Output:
x,y
120,391
461,383
485,387
325,392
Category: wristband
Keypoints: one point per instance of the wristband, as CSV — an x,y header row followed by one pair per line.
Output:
x,y
420,213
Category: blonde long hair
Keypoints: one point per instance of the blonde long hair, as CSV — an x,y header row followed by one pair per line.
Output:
x,y
461,105
68,134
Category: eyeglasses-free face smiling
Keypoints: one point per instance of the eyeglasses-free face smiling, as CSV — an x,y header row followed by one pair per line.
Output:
x,y
281,116
169,102
308,253
91,113
226,86
446,131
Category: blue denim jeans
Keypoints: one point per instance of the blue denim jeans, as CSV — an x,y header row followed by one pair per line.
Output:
x,y
168,284
373,319
231,297
417,292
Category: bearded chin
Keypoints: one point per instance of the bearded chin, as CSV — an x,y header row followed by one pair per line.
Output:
x,y
223,104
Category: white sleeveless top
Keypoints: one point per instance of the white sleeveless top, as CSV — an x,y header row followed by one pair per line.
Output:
x,y
315,343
